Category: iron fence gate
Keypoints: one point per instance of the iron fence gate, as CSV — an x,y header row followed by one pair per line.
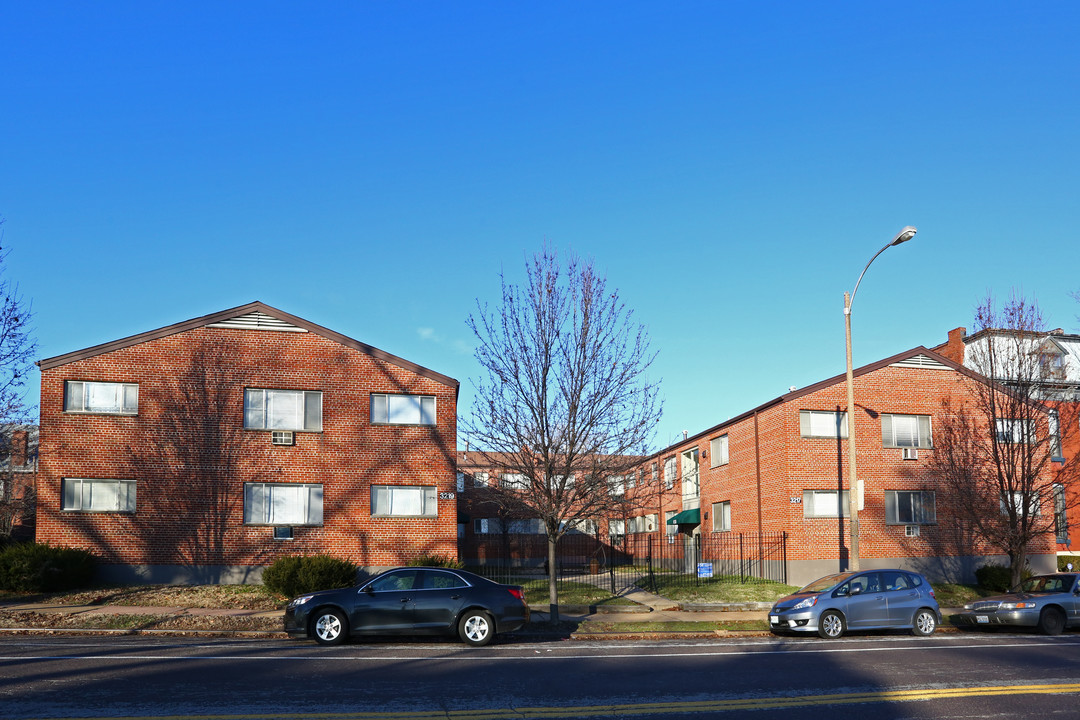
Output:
x,y
651,561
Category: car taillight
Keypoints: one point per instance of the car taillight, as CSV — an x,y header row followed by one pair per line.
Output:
x,y
517,592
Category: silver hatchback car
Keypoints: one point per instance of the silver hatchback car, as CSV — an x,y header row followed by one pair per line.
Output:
x,y
866,600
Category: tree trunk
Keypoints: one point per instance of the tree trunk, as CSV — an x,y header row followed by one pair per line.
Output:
x,y
553,590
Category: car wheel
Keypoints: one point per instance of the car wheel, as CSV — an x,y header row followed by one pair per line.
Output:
x,y
476,628
1051,621
925,623
831,625
329,627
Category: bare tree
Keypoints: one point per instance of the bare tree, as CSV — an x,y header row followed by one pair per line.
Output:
x,y
17,350
565,409
999,451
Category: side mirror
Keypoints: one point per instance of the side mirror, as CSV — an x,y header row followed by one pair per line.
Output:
x,y
856,589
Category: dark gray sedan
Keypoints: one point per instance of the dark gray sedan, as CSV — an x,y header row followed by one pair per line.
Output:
x,y
1049,603
410,601
868,600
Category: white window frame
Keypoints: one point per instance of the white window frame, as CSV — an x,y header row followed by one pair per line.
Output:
x,y
1061,518
515,481
1034,505
670,529
98,495
1054,431
480,479
721,516
409,501
283,504
402,409
278,409
617,485
896,431
88,397
922,505
718,451
1009,429
823,424
819,504
669,473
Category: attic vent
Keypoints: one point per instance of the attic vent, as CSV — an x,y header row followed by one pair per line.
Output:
x,y
911,530
282,437
909,453
256,321
921,361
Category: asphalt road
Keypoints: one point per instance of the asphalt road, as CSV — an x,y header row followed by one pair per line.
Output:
x,y
884,677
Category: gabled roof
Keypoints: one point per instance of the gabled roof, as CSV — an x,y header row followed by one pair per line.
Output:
x,y
253,316
917,357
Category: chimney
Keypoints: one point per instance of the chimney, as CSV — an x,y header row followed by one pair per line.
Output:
x,y
954,347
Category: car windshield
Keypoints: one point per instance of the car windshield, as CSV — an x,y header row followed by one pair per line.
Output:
x,y
1048,584
826,582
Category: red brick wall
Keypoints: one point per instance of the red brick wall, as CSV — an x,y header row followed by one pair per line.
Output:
x,y
790,464
190,455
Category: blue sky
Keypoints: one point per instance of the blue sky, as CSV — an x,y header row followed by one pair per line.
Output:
x,y
373,167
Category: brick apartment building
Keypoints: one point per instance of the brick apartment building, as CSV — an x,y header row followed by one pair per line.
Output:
x,y
1060,354
781,469
204,450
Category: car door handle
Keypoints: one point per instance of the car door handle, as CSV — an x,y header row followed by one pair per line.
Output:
x,y
405,600
455,597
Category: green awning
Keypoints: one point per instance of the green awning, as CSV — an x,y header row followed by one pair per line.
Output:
x,y
686,517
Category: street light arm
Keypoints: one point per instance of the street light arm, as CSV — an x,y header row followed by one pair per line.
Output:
x,y
904,235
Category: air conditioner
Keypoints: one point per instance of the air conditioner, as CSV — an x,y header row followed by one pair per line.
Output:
x,y
282,437
283,533
911,530
909,453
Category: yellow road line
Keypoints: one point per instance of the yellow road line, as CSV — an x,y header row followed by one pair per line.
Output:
x,y
667,708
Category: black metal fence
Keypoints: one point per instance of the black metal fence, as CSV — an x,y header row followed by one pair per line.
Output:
x,y
651,561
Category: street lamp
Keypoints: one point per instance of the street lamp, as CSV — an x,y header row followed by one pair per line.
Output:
x,y
853,489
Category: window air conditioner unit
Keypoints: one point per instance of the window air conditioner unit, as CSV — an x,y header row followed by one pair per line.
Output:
x,y
282,437
911,530
909,453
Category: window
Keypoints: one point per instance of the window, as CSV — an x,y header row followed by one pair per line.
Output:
x,y
822,424
823,503
718,451
96,495
580,526
402,409
668,528
721,516
488,526
101,397
1018,504
515,481
480,479
616,531
617,485
404,500
669,473
1061,524
1010,430
283,504
527,526
282,410
910,507
691,487
1055,436
440,580
905,431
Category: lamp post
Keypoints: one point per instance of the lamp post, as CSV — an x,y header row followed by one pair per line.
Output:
x,y
904,235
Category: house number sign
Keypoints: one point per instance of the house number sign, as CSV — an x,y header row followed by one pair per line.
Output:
x,y
446,496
